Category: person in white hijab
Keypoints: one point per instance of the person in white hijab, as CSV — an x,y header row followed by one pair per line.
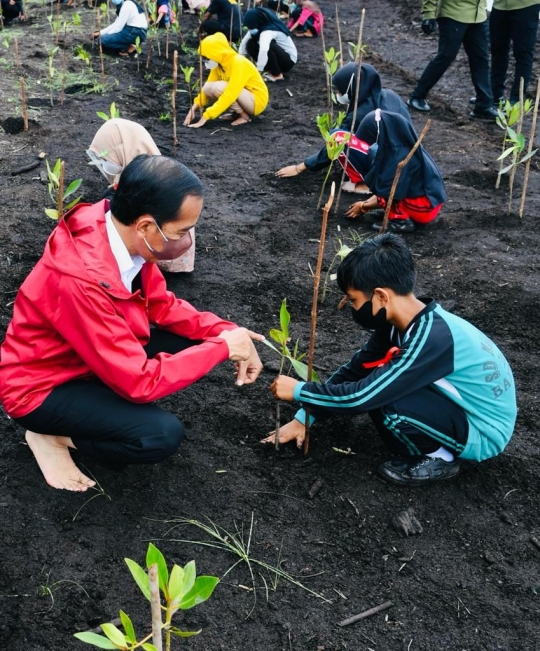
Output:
x,y
114,146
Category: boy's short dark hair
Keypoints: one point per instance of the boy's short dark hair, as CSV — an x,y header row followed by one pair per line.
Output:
x,y
153,185
380,261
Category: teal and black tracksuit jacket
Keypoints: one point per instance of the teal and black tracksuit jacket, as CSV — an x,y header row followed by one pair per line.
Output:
x,y
439,350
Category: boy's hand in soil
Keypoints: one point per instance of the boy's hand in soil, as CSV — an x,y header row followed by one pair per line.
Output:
x,y
289,432
191,115
247,372
283,387
291,170
240,345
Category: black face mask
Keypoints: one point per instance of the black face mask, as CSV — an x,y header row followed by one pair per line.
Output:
x,y
366,319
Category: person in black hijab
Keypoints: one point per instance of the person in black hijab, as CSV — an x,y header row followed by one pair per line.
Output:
x,y
371,95
420,190
268,43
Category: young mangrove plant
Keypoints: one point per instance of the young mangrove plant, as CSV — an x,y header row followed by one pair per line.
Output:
x,y
56,190
113,113
334,145
51,70
181,589
188,71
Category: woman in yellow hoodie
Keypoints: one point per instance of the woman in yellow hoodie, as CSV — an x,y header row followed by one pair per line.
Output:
x,y
234,85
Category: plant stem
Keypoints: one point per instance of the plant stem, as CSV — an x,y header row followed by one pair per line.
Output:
x,y
358,60
98,15
327,72
155,602
64,65
23,104
314,302
16,49
278,409
399,168
531,143
173,95
339,38
516,154
60,197
324,184
167,44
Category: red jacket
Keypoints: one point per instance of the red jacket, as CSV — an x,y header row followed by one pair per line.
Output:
x,y
73,318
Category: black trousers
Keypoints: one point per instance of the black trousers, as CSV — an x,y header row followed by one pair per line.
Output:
x,y
519,27
475,40
104,425
278,60
214,26
421,423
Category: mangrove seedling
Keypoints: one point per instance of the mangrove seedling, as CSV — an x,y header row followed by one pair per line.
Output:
x,y
334,145
82,54
113,113
187,71
181,589
51,69
56,190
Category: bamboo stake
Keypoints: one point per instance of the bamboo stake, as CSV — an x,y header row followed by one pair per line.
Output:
x,y
150,47
231,24
327,73
23,104
155,601
60,196
315,300
531,143
339,38
358,60
57,23
98,14
399,169
515,156
173,96
64,66
16,48
167,44
201,80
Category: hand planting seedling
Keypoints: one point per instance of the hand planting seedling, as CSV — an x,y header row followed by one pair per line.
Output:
x,y
282,338
182,589
56,190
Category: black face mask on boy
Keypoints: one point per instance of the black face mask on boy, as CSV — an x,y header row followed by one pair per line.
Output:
x,y
366,319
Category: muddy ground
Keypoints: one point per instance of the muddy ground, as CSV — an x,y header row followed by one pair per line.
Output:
x,y
470,580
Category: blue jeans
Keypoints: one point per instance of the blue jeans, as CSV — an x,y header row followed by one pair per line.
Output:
x,y
123,39
518,26
475,39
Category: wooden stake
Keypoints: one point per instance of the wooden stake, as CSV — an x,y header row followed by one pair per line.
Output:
x,y
98,14
315,300
358,60
155,602
339,38
367,613
327,73
515,156
16,48
531,143
64,66
399,168
23,104
60,196
57,23
173,96
201,80
167,44
150,46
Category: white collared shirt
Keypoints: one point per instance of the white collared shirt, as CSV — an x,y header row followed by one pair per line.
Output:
x,y
128,265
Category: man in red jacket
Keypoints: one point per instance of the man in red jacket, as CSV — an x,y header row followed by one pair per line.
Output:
x,y
96,337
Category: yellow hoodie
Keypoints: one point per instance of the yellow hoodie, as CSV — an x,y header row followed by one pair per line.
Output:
x,y
234,69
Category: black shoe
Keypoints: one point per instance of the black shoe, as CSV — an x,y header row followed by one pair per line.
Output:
x,y
418,471
419,104
395,226
487,114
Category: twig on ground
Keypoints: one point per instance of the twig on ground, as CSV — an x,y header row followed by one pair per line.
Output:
x,y
26,168
315,488
366,613
535,541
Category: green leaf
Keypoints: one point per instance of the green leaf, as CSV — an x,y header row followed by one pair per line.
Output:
x,y
190,574
115,635
506,169
72,203
529,155
52,213
300,368
128,627
201,591
140,576
521,142
72,187
153,555
279,336
96,640
284,320
507,152
511,135
147,646
179,633
270,345
103,116
176,583
57,168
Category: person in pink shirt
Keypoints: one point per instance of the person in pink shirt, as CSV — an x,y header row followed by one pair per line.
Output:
x,y
307,19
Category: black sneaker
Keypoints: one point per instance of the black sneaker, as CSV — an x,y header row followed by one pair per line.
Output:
x,y
419,104
418,471
487,114
395,226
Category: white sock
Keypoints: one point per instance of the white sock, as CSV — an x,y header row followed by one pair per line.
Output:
x,y
441,453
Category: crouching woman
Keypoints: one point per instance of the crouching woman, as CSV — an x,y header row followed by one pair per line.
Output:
x,y
130,24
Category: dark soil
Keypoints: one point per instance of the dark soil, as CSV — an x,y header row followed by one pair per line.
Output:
x,y
470,579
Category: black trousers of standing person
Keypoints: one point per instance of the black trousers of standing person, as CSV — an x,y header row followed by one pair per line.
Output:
x,y
106,426
475,40
519,27
278,60
214,26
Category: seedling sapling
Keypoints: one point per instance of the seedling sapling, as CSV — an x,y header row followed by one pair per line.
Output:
x,y
113,113
334,149
56,190
182,589
51,69
282,338
187,71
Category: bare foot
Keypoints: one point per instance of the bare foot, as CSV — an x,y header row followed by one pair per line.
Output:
x,y
55,462
243,118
